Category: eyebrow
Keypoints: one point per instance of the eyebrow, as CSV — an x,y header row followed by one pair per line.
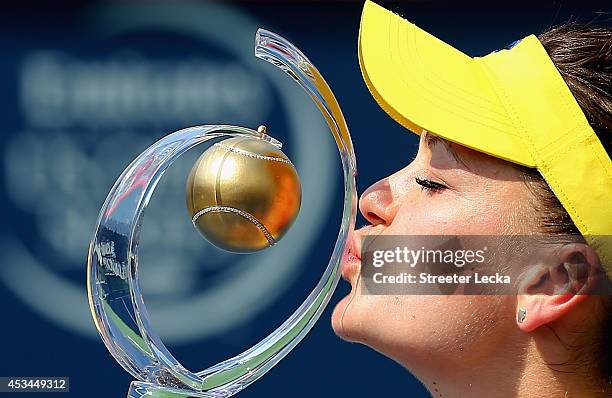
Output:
x,y
432,140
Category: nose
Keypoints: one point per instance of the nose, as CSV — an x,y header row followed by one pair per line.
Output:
x,y
376,203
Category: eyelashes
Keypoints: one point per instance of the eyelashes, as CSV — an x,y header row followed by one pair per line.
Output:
x,y
428,185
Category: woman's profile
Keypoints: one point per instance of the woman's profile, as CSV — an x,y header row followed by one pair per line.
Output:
x,y
516,142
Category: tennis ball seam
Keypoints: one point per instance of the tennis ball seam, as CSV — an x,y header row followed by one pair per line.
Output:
x,y
252,155
242,213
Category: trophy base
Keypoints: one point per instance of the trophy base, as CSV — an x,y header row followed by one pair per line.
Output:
x,y
139,389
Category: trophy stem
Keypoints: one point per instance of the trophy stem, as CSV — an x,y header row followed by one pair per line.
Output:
x,y
140,389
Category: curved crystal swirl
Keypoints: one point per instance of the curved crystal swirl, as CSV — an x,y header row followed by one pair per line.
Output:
x,y
115,297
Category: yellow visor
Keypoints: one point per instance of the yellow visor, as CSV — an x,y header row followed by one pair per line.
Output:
x,y
512,104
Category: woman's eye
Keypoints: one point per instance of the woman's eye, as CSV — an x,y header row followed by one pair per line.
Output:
x,y
429,185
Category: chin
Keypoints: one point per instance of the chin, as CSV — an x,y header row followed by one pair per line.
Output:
x,y
338,319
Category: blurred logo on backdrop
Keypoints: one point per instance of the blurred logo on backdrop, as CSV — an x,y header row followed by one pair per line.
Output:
x,y
134,74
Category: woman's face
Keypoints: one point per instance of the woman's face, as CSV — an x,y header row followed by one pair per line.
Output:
x,y
465,193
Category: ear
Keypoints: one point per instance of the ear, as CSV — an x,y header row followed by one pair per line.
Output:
x,y
550,290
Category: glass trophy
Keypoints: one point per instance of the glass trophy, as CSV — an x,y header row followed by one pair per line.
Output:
x,y
113,287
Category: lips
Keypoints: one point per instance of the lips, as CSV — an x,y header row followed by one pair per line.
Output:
x,y
354,245
351,260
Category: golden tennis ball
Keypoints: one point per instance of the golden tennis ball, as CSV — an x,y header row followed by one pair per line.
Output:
x,y
243,194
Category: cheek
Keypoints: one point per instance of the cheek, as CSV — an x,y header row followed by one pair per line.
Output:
x,y
417,329
505,210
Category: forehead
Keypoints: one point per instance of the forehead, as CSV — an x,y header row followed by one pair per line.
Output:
x,y
432,140
446,155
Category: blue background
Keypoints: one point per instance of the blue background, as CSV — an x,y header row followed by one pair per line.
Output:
x,y
59,159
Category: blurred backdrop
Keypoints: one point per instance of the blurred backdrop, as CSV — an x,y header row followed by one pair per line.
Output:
x,y
87,86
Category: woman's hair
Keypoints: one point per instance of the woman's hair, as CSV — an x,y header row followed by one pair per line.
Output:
x,y
583,55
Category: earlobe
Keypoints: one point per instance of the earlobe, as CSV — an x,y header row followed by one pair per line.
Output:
x,y
541,309
552,289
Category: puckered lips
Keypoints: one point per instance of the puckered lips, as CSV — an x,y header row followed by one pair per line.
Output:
x,y
351,260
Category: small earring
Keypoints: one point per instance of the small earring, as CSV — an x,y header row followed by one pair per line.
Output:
x,y
521,315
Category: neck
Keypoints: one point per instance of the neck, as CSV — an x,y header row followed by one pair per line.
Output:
x,y
513,379
524,366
